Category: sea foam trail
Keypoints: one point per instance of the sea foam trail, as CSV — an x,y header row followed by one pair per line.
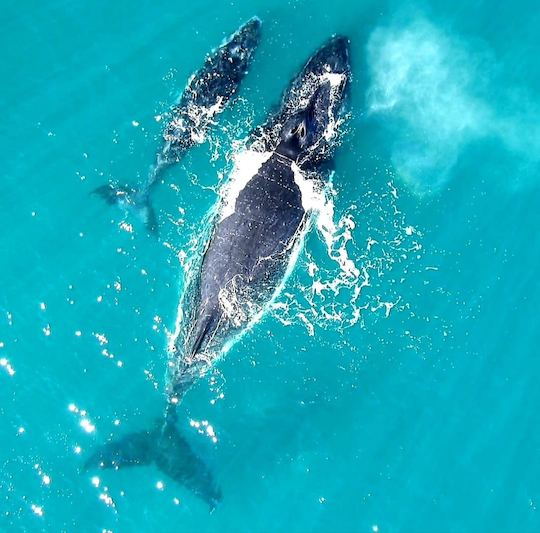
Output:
x,y
438,96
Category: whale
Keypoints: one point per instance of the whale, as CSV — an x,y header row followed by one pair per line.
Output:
x,y
256,233
206,95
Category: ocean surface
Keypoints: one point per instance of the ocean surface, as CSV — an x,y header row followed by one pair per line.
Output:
x,y
393,386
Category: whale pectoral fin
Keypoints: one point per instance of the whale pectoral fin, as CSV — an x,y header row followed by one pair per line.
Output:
x,y
134,449
205,327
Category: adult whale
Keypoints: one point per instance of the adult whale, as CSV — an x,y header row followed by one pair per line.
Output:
x,y
259,226
207,93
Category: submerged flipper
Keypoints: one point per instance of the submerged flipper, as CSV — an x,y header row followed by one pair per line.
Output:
x,y
171,453
131,199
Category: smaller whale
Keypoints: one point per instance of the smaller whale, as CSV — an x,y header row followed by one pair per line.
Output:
x,y
206,95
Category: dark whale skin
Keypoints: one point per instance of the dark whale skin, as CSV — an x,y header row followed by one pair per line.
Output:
x,y
244,262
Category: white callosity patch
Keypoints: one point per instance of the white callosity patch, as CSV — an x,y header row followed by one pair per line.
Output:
x,y
437,95
302,98
334,120
299,99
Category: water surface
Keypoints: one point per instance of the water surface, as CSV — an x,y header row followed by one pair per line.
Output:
x,y
408,401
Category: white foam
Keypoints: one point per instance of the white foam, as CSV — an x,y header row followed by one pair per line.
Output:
x,y
328,297
314,200
197,122
7,366
246,165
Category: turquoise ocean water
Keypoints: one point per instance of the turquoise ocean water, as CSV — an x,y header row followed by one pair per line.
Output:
x,y
400,396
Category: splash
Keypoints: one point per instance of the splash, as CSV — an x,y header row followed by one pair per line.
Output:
x,y
195,119
318,202
439,96
7,366
247,164
353,262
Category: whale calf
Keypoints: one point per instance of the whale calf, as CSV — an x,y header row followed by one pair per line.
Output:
x,y
256,232
207,93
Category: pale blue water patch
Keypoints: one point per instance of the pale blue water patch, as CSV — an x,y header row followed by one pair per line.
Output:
x,y
405,401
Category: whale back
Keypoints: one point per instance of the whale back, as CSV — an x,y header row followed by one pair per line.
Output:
x,y
243,265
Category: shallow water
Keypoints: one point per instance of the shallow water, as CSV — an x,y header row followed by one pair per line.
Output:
x,y
406,402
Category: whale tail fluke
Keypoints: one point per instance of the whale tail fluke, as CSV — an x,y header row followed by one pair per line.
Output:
x,y
134,449
165,447
131,199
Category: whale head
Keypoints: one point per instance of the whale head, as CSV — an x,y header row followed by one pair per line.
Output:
x,y
332,57
238,50
316,103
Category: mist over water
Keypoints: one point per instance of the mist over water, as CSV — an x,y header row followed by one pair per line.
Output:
x,y
437,94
